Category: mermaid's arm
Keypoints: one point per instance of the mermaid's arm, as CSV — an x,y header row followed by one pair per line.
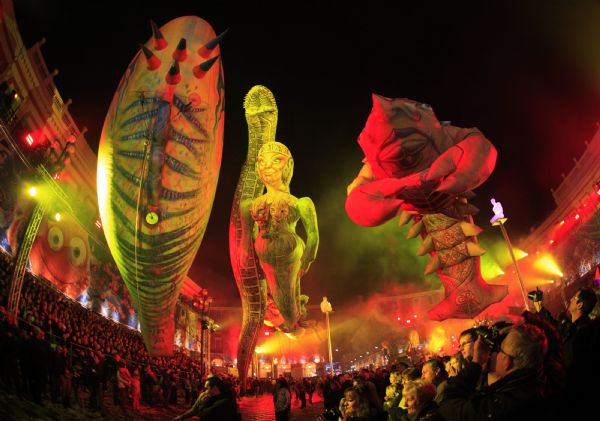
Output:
x,y
308,216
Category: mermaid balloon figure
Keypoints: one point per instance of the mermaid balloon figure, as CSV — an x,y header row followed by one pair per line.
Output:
x,y
283,255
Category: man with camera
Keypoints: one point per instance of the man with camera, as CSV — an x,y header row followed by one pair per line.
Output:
x,y
514,389
581,345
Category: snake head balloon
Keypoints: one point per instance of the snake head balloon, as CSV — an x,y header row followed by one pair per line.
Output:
x,y
158,165
421,169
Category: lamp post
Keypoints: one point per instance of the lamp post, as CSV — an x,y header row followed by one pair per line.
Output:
x,y
212,327
202,302
498,220
326,308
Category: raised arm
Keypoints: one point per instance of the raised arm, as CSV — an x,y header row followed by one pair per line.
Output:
x,y
308,215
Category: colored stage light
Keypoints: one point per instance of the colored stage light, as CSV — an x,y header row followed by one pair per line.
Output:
x,y
548,265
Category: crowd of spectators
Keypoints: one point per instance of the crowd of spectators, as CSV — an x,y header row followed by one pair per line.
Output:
x,y
60,351
536,367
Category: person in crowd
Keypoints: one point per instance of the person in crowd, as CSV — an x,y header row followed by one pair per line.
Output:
x,y
310,389
515,387
301,392
433,372
392,404
355,406
332,392
283,400
392,395
39,361
364,381
466,340
93,382
109,375
124,382
216,403
166,383
455,364
576,335
187,387
581,346
419,396
136,390
66,388
9,353
149,385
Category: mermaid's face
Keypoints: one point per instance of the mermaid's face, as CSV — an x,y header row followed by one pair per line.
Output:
x,y
270,166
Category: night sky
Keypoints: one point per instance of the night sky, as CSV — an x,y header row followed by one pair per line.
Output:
x,y
527,73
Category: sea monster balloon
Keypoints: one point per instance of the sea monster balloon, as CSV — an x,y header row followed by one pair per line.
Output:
x,y
158,166
267,256
423,170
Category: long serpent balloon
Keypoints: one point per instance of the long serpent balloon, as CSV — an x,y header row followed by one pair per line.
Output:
x,y
158,165
261,116
423,170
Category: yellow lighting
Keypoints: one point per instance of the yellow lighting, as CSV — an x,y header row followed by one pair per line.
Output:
x,y
32,191
57,217
548,265
437,339
520,254
490,268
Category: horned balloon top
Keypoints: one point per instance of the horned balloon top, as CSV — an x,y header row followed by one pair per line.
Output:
x,y
201,69
174,75
152,61
159,41
207,48
180,54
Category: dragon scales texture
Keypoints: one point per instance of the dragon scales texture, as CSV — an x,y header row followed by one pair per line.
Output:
x,y
158,166
455,253
261,116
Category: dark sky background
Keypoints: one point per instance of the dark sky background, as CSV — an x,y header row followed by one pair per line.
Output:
x,y
527,73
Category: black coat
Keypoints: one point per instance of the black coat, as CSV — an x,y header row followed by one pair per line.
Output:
x,y
516,396
581,350
219,408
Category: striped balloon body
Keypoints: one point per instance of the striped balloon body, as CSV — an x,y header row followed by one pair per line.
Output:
x,y
158,166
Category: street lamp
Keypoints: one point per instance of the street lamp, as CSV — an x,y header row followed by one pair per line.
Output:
x,y
326,308
202,302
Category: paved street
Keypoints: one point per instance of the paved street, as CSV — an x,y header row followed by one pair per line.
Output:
x,y
261,409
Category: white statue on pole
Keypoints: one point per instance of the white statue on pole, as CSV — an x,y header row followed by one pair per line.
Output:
x,y
498,217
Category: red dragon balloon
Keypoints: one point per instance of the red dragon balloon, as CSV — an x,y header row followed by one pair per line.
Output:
x,y
416,167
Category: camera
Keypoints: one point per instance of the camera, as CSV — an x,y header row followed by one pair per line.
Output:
x,y
332,414
536,295
491,335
